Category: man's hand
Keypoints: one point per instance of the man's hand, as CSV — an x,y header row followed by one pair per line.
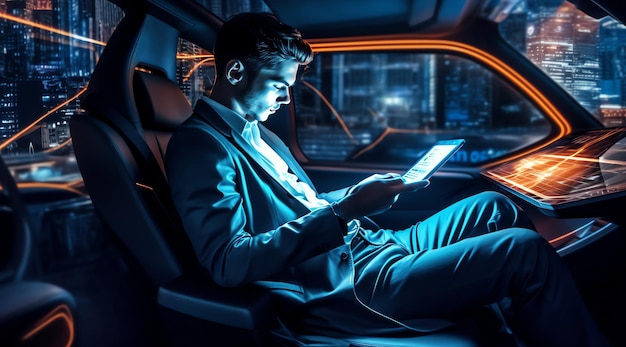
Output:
x,y
374,195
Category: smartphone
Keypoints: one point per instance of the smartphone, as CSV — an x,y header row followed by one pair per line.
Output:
x,y
434,158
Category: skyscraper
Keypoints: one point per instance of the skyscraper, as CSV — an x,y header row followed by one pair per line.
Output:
x,y
564,44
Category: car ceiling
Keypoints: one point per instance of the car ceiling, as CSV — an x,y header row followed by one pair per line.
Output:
x,y
324,18
344,18
328,18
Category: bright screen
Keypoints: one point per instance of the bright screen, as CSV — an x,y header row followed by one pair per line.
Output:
x,y
430,162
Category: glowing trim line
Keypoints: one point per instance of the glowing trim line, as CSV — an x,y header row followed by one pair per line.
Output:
x,y
50,29
144,186
26,129
184,56
196,66
61,312
59,186
563,237
384,134
332,109
445,45
63,144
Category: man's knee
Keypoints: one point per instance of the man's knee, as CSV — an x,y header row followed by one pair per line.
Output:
x,y
495,201
528,244
527,236
511,214
493,197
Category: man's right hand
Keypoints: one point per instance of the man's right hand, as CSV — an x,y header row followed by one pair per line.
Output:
x,y
374,195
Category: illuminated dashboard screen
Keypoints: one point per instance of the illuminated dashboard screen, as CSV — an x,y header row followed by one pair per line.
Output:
x,y
578,169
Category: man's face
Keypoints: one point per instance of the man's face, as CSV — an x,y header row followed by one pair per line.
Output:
x,y
268,90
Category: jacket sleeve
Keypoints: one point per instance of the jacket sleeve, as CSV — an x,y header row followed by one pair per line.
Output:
x,y
211,197
334,195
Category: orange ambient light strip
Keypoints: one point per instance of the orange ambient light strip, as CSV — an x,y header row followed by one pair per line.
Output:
x,y
332,109
60,313
28,128
61,145
206,60
451,46
69,186
50,29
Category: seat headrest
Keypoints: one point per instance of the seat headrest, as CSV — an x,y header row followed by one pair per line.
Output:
x,y
160,102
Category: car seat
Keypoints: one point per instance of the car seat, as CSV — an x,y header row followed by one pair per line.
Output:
x,y
131,106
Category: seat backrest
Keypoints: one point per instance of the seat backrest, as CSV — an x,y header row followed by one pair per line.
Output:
x,y
132,105
162,107
123,172
144,219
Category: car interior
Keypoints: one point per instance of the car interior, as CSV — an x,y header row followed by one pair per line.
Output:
x,y
132,108
132,105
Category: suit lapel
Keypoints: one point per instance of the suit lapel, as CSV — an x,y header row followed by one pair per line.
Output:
x,y
207,113
279,146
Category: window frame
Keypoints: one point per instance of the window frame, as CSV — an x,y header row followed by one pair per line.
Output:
x,y
558,124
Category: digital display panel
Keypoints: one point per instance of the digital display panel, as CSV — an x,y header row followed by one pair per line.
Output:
x,y
578,169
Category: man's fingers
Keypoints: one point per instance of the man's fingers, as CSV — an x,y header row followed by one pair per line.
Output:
x,y
390,176
417,185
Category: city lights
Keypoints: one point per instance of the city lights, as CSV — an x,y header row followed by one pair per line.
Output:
x,y
406,44
54,30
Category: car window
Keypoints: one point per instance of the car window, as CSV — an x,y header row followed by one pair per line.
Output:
x,y
585,55
195,70
388,107
48,55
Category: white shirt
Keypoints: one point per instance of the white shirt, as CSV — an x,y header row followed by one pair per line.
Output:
x,y
280,169
277,167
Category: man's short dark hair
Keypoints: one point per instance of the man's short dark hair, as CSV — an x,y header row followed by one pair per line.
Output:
x,y
259,40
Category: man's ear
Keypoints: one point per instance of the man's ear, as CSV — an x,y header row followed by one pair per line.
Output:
x,y
235,71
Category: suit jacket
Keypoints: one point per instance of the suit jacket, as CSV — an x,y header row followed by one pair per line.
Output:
x,y
245,227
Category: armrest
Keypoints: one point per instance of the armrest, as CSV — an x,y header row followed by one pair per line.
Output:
x,y
246,308
32,312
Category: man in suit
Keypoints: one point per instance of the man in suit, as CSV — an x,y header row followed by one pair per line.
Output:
x,y
254,216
